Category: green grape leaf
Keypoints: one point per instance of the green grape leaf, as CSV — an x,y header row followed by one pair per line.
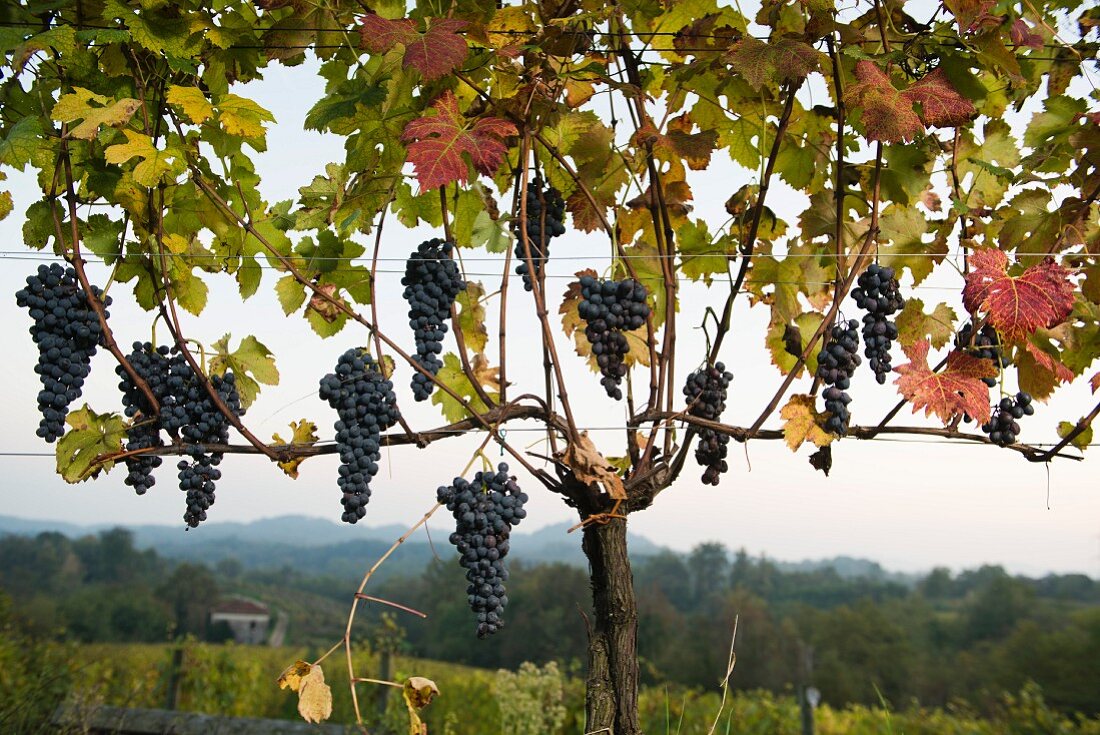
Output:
x,y
90,437
1081,441
452,376
252,363
22,141
776,342
702,256
291,293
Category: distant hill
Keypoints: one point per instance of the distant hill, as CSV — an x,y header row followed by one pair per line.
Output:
x,y
317,546
321,547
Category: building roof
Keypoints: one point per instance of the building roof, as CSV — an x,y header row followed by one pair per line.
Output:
x,y
240,606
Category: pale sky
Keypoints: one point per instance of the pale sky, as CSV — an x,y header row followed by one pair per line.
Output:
x,y
909,504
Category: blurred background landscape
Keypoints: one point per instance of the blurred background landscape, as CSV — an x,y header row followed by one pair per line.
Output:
x,y
152,617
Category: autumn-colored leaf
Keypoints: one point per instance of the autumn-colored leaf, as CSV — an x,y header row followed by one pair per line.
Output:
x,y
781,60
418,693
887,116
1039,372
1021,35
434,53
303,433
940,103
1094,382
439,141
77,105
913,324
957,390
1081,441
592,468
314,696
892,115
292,675
1042,296
802,423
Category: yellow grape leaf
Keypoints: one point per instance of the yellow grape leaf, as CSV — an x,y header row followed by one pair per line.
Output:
x,y
243,117
156,165
418,693
471,316
291,678
77,105
801,423
314,696
92,435
914,325
303,432
1081,441
192,101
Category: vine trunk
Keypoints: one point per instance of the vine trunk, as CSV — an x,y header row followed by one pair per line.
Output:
x,y
611,704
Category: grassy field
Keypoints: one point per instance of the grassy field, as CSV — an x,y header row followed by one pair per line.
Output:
x,y
241,681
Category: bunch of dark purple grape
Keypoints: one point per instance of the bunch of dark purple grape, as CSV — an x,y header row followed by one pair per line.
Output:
x,y
836,363
1002,426
610,308
705,392
67,332
431,282
485,511
545,220
985,345
187,411
878,294
366,405
144,432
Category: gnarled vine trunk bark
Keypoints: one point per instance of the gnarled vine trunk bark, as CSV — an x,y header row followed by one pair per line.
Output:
x,y
611,704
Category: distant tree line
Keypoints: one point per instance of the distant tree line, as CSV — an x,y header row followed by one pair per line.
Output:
x,y
944,638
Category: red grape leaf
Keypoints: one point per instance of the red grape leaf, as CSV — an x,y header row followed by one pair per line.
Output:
x,y
890,115
782,60
434,53
1021,35
940,104
956,390
439,140
1042,296
1094,381
1040,372
887,116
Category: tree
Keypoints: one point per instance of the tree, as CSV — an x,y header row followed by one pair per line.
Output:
x,y
497,124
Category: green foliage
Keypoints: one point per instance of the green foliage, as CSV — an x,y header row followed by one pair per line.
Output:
x,y
530,699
